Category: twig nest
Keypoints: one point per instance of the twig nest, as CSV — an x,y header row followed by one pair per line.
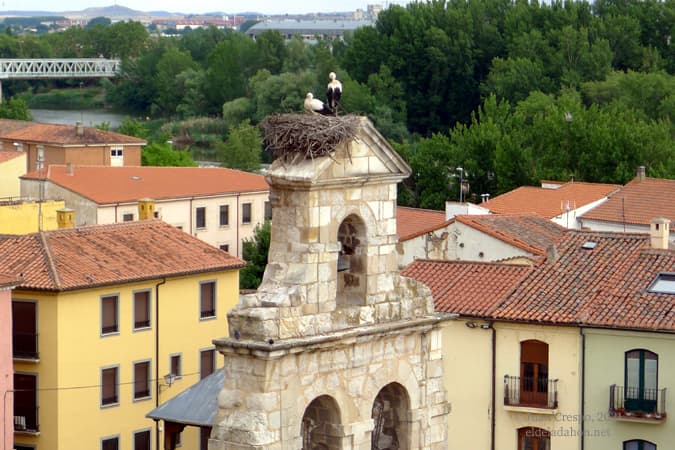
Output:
x,y
288,135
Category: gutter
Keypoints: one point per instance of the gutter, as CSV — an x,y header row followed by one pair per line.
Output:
x,y
493,387
582,437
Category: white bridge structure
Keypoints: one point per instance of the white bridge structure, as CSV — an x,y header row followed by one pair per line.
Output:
x,y
57,68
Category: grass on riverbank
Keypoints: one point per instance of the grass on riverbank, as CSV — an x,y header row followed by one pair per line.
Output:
x,y
71,98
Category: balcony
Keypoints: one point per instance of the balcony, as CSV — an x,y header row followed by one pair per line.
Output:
x,y
530,392
636,404
25,346
26,419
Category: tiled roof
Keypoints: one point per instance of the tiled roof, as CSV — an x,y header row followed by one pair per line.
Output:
x,y
8,280
602,286
413,222
548,203
102,255
6,156
61,135
467,288
128,184
529,232
638,202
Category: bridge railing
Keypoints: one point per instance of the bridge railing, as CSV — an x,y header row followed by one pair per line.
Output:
x,y
58,68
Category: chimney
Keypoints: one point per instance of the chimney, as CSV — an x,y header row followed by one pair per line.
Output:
x,y
79,129
641,174
484,197
659,233
65,218
552,254
70,169
146,209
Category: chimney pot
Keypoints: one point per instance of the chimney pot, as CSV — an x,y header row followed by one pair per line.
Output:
x,y
659,233
70,169
146,209
65,218
552,254
641,173
79,129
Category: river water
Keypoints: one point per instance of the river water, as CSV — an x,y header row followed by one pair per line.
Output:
x,y
88,118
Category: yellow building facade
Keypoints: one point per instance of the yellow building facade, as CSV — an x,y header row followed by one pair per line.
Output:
x,y
12,166
98,356
22,217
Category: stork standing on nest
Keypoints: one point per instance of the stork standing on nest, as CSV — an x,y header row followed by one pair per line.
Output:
x,y
315,106
334,93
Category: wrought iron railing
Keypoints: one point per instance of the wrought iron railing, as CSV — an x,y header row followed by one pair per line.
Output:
x,y
25,345
627,401
537,392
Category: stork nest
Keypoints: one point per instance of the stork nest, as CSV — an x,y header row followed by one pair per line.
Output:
x,y
288,135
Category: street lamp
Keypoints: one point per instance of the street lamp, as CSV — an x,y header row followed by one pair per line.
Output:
x,y
461,183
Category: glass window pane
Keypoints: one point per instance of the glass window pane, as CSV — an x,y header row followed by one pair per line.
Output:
x,y
142,309
632,371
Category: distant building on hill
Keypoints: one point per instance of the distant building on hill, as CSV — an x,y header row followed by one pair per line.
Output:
x,y
309,30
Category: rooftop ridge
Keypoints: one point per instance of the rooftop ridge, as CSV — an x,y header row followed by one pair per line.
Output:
x,y
53,273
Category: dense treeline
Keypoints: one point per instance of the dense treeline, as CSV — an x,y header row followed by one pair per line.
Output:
x,y
512,92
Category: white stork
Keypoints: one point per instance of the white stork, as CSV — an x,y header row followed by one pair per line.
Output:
x,y
315,106
334,92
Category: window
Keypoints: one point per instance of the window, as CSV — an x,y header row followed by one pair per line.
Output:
x,y
109,386
176,365
207,363
141,309
531,438
663,284
128,217
24,330
141,380
207,299
109,314
200,220
25,402
268,211
534,373
225,247
111,443
142,440
246,213
23,447
224,215
638,444
641,387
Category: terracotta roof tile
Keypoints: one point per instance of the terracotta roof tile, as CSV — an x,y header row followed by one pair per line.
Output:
x,y
128,184
638,203
7,280
548,203
413,222
529,232
61,135
467,288
101,255
6,155
602,286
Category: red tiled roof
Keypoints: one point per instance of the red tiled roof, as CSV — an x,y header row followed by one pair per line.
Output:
x,y
102,255
638,203
413,222
61,135
603,286
529,232
103,184
6,156
467,288
548,203
7,280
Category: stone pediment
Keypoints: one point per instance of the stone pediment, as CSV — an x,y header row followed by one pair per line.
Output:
x,y
365,156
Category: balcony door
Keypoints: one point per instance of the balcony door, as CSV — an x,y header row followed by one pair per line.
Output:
x,y
533,373
531,438
24,324
25,402
641,388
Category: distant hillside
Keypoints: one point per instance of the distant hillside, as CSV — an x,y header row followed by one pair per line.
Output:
x,y
114,11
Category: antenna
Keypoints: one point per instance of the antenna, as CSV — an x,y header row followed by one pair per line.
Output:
x,y
623,212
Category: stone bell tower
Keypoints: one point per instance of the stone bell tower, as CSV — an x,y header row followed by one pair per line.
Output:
x,y
335,350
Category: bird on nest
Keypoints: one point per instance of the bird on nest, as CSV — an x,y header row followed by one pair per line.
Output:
x,y
334,92
315,106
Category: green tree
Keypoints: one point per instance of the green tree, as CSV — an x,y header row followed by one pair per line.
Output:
x,y
161,154
243,147
15,109
255,253
237,110
283,93
132,127
170,87
272,49
514,78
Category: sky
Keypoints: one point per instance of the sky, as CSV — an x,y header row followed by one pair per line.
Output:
x,y
200,6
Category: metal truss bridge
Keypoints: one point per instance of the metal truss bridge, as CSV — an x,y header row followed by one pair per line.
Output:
x,y
58,68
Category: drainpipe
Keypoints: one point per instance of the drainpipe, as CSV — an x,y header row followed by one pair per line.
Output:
x,y
239,255
157,358
583,388
493,387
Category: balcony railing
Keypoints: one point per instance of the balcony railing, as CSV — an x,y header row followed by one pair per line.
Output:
x,y
25,345
633,402
26,419
534,392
